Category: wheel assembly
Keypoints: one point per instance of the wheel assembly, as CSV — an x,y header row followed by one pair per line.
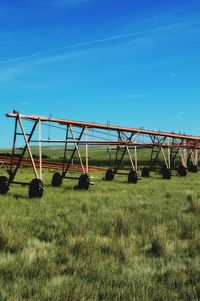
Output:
x,y
145,172
182,171
166,173
109,175
36,189
192,168
84,182
132,177
56,180
4,185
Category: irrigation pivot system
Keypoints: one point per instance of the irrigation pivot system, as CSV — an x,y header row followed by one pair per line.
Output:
x,y
80,135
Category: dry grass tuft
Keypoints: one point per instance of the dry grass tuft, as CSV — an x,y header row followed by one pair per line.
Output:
x,y
121,226
85,208
192,203
158,242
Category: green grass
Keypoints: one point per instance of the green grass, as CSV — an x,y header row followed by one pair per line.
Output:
x,y
116,241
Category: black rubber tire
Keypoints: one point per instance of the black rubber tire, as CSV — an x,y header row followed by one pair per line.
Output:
x,y
182,171
4,185
166,173
84,182
56,180
132,177
145,172
109,175
193,168
36,189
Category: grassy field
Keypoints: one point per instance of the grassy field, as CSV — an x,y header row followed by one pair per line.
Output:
x,y
116,241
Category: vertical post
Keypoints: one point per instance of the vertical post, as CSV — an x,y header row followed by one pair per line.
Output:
x,y
73,152
192,157
14,172
128,151
28,147
65,151
86,150
40,146
108,146
77,149
196,157
14,144
136,161
130,157
49,133
163,153
169,156
183,154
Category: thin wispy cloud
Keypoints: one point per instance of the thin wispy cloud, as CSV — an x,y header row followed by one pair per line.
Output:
x,y
60,4
118,97
47,7
173,75
60,103
9,74
129,45
66,2
57,6
105,40
193,30
24,103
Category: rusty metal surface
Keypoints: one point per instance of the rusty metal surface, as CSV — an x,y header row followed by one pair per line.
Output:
x,y
46,164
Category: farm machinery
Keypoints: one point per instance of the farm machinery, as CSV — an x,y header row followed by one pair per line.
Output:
x,y
77,135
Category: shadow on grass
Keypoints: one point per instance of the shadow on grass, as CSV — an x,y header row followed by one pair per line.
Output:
x,y
17,196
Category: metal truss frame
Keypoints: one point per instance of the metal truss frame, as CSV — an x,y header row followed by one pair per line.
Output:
x,y
126,140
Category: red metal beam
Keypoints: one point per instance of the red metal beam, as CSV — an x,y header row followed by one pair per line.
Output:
x,y
105,127
46,164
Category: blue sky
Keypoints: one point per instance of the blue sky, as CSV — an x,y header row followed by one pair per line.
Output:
x,y
133,63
